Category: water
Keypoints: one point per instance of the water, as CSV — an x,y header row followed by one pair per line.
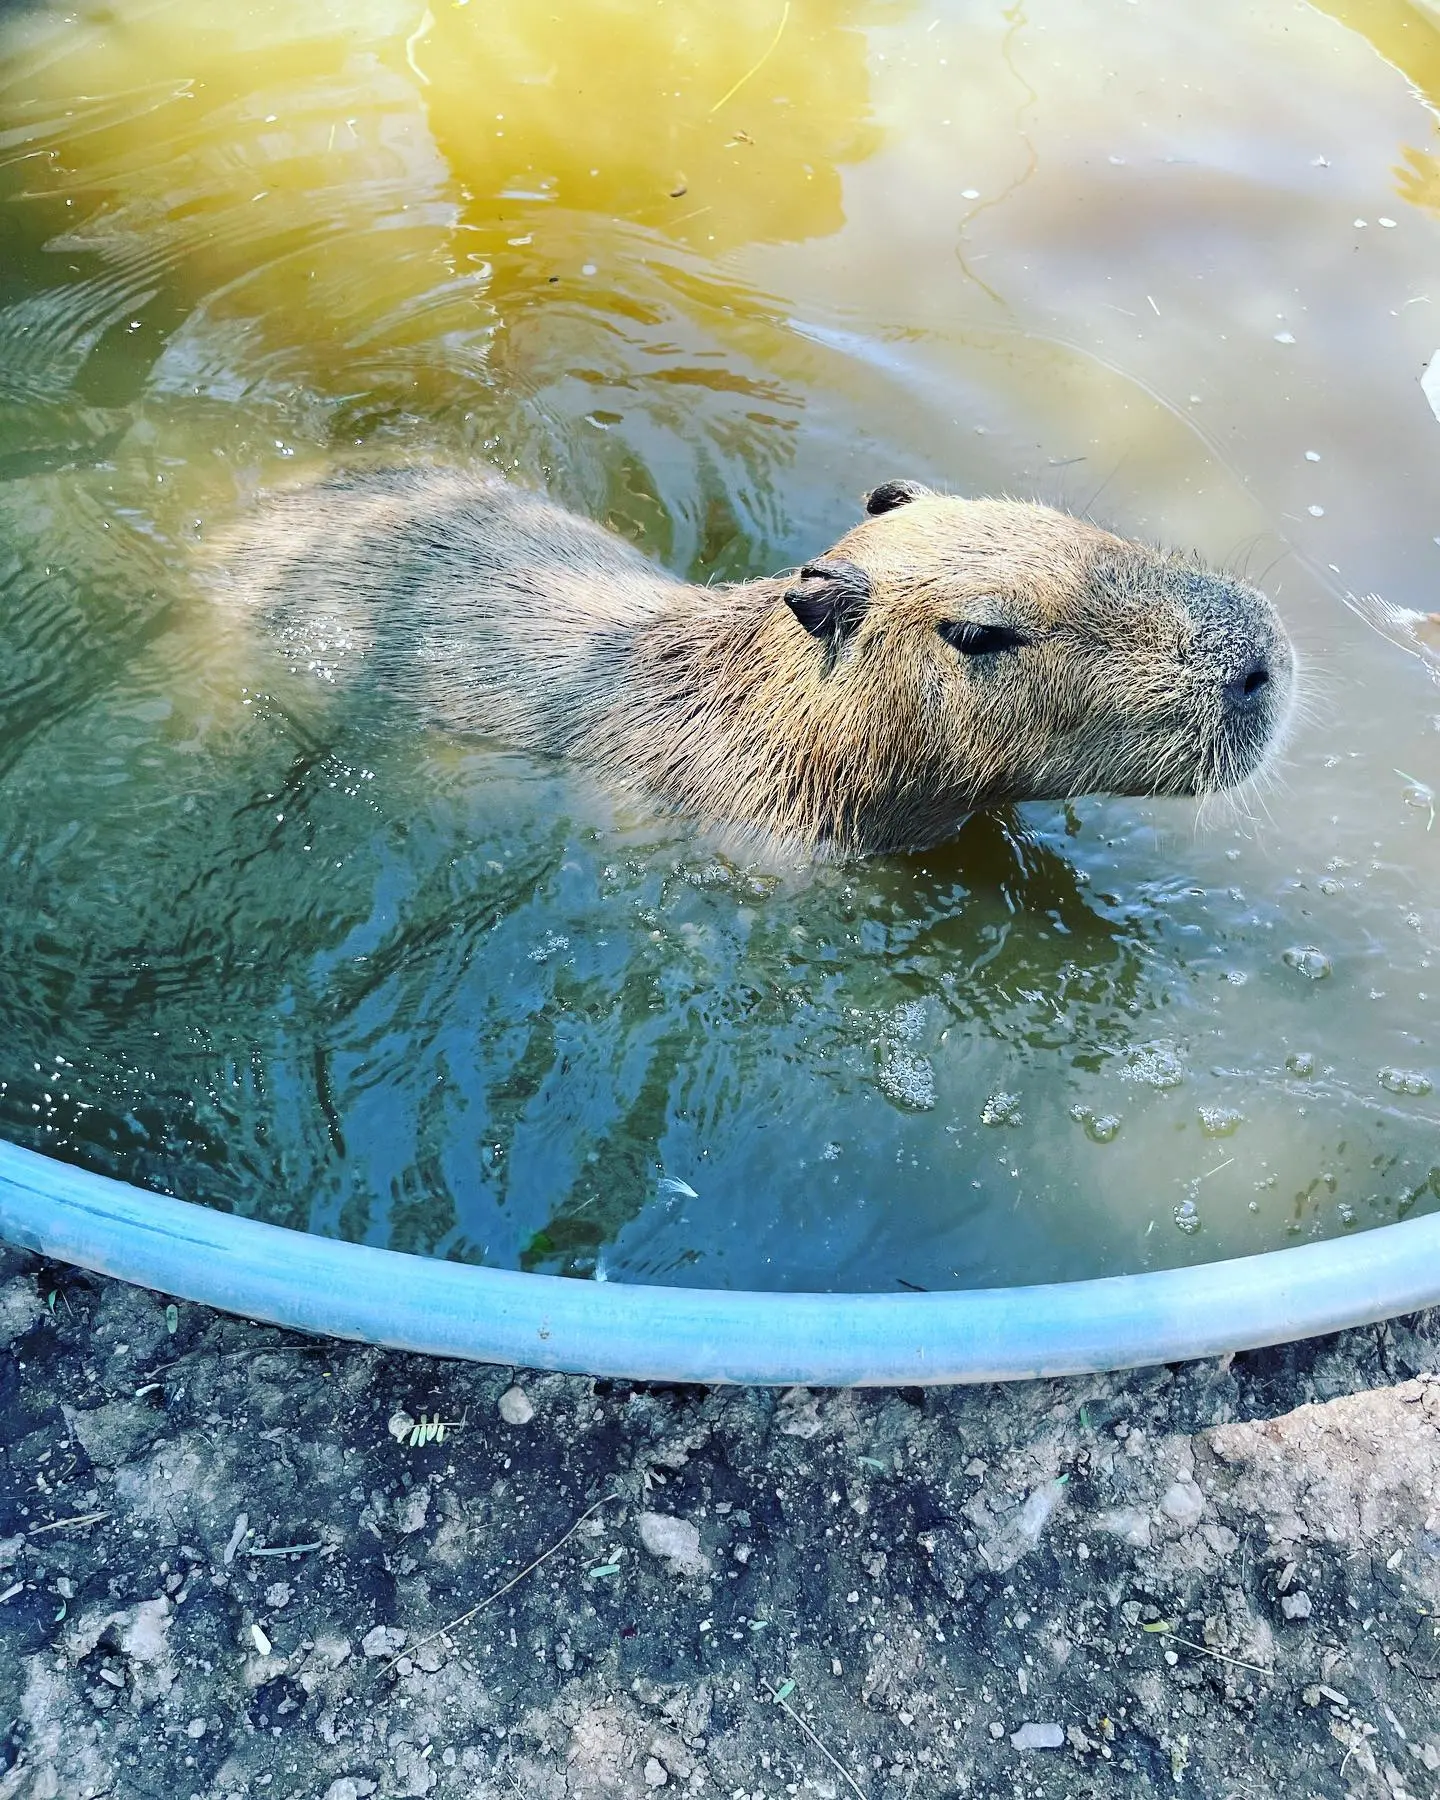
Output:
x,y
709,274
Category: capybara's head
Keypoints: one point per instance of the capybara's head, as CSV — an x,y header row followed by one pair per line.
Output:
x,y
1039,656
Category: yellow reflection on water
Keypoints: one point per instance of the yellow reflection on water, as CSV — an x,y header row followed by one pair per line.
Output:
x,y
462,132
716,125
1409,37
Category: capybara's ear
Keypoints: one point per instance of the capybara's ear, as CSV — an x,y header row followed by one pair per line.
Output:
x,y
830,598
891,494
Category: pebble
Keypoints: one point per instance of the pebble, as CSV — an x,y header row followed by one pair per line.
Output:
x,y
1296,1605
656,1774
1183,1502
349,1787
675,1541
195,1729
1127,1523
278,1594
1038,1737
514,1407
382,1641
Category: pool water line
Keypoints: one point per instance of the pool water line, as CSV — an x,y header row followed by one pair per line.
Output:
x,y
336,1289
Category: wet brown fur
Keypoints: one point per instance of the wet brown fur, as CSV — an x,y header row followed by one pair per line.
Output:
x,y
484,608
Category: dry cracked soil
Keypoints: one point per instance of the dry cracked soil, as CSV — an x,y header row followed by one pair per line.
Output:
x,y
236,1563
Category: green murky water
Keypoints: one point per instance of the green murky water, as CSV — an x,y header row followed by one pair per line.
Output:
x,y
708,273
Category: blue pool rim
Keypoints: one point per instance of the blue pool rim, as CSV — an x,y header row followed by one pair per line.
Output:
x,y
329,1288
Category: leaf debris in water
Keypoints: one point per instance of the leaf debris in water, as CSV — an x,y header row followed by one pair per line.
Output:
x,y
672,1184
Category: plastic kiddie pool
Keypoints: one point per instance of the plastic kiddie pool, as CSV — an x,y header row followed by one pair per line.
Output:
x,y
338,1289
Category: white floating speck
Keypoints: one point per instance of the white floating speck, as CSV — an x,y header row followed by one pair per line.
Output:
x,y
969,193
1312,456
1389,224
1359,224
1284,337
672,1184
1319,162
1316,512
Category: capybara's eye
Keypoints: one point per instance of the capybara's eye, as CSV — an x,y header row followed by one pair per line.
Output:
x,y
979,640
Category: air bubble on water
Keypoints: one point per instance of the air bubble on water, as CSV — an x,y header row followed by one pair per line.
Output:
x,y
1306,960
1001,1109
1329,885
1347,1213
1100,1128
907,1079
1187,1217
1157,1065
549,945
830,1153
1406,1081
907,1021
1220,1121
1300,1062
905,1076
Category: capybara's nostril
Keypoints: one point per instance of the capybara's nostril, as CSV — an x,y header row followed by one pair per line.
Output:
x,y
1243,691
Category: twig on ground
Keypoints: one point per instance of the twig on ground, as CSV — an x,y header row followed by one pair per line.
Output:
x,y
777,1695
79,1519
1162,1630
500,1592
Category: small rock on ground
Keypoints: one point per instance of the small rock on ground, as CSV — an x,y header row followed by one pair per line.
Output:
x,y
1038,1737
675,1541
514,1407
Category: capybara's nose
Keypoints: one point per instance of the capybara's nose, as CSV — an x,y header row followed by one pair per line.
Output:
x,y
1245,690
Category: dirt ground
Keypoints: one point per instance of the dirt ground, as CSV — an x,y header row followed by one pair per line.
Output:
x,y
227,1569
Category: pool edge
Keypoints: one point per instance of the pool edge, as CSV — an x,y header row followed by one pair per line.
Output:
x,y
331,1288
